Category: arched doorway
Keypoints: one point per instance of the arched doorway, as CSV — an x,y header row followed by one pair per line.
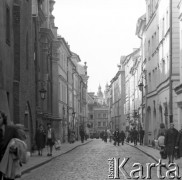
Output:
x,y
148,126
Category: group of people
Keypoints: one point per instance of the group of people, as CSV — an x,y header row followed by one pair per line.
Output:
x,y
170,142
136,136
118,137
43,137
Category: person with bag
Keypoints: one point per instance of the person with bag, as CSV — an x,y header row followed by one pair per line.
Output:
x,y
8,133
162,130
162,146
50,139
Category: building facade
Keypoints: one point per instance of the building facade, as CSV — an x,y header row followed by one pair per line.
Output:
x,y
17,68
161,53
100,118
178,88
132,106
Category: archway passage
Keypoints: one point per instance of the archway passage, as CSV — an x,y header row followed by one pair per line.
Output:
x,y
155,124
28,124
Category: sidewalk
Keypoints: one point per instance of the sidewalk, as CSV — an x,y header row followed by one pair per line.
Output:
x,y
154,154
36,161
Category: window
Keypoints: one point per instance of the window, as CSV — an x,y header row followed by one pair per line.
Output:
x,y
7,25
149,77
163,27
104,115
91,116
98,115
167,20
104,124
99,123
27,54
149,49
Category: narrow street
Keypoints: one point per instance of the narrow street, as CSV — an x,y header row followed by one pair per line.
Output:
x,y
89,162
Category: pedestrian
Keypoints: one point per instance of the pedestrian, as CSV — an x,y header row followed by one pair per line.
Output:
x,y
135,136
82,134
40,138
141,135
162,130
116,137
170,142
72,136
178,147
105,136
109,135
122,137
50,138
162,146
7,135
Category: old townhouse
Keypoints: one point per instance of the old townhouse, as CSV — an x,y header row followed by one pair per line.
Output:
x,y
161,53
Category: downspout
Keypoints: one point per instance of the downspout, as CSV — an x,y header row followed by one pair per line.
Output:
x,y
170,69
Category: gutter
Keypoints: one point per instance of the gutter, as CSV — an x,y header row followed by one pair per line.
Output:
x,y
170,68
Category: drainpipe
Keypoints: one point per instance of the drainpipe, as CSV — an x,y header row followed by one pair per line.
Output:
x,y
170,69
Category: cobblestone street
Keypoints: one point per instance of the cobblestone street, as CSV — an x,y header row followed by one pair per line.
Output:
x,y
89,162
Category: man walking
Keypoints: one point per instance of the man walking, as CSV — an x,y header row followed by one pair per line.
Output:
x,y
135,136
50,138
141,135
82,134
170,142
116,137
122,137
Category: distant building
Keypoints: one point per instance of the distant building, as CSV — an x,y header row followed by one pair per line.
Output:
x,y
100,118
97,112
117,101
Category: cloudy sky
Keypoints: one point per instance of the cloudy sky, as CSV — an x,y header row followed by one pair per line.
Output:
x,y
99,31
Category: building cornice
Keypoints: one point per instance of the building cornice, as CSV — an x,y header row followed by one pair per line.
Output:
x,y
48,33
128,57
179,5
178,89
150,21
65,44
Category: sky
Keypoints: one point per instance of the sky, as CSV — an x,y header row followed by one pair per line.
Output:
x,y
100,32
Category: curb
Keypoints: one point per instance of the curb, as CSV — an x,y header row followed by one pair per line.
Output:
x,y
154,158
48,160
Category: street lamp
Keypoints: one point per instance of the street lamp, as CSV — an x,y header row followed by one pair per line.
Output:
x,y
42,93
140,86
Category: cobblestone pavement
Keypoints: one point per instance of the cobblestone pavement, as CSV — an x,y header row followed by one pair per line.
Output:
x,y
90,162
